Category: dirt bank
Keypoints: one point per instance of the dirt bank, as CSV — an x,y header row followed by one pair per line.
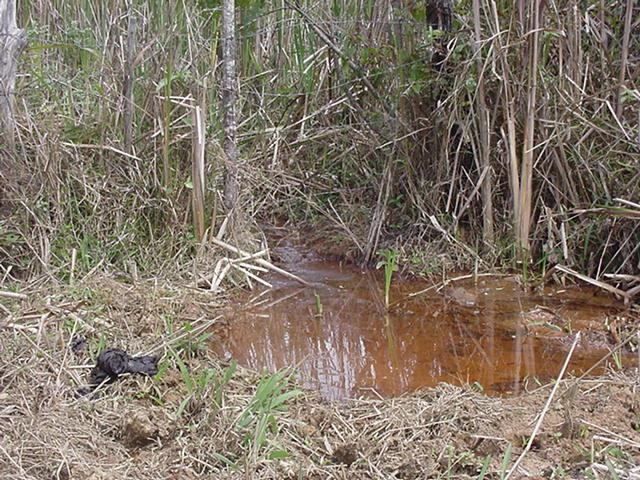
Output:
x,y
200,417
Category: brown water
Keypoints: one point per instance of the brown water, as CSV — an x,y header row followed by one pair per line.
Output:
x,y
488,331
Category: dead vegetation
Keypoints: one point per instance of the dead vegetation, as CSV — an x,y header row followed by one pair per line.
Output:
x,y
470,134
460,138
177,425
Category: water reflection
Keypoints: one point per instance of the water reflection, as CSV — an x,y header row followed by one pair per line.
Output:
x,y
357,348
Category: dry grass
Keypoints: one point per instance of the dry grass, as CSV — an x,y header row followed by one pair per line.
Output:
x,y
343,121
395,141
446,432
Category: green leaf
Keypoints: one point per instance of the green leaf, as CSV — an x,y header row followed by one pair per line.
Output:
x,y
228,373
223,459
276,454
485,467
612,470
506,459
281,399
184,372
182,406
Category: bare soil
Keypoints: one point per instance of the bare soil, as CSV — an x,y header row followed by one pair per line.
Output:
x,y
132,428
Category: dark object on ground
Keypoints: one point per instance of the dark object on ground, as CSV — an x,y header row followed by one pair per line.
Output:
x,y
78,344
114,362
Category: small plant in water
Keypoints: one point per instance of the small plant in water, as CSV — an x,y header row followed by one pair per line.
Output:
x,y
477,387
389,258
617,359
319,307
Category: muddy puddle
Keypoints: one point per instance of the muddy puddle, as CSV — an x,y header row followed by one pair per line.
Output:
x,y
488,331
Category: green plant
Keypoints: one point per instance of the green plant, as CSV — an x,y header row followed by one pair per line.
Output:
x,y
259,418
191,345
506,459
198,386
477,387
558,472
485,467
612,469
389,258
96,347
218,389
616,452
590,474
617,359
319,307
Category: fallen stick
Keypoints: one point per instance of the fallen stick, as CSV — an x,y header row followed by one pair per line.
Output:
x,y
608,355
260,261
632,292
100,147
14,295
545,409
251,275
593,281
261,253
440,286
622,277
219,273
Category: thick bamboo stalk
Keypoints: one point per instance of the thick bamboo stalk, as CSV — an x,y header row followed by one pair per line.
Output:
x,y
13,40
128,81
483,123
229,95
526,172
509,136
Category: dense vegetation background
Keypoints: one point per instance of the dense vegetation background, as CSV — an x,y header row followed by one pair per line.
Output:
x,y
495,131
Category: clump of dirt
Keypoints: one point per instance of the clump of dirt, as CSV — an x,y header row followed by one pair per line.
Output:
x,y
141,427
346,454
461,296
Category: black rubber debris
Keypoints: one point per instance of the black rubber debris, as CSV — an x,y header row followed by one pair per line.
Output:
x,y
114,362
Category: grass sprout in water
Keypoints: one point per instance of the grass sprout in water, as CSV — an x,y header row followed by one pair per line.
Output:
x,y
389,258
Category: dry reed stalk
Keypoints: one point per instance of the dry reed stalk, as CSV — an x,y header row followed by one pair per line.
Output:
x,y
198,172
528,149
624,54
260,261
129,78
13,295
319,124
379,213
593,281
488,234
